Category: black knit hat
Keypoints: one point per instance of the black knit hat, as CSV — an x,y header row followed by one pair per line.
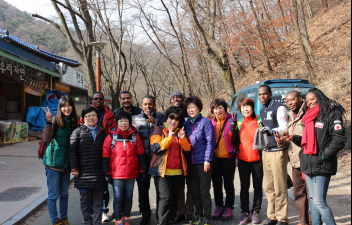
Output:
x,y
176,93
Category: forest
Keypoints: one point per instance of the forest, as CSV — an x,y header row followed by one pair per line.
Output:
x,y
208,48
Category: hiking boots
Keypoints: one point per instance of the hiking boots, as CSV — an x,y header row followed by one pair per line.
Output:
x,y
219,211
255,218
245,218
228,214
59,222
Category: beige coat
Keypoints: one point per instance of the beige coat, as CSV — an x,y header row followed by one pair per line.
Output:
x,y
295,127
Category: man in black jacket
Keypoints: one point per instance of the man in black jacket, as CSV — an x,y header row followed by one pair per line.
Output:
x,y
275,159
145,123
126,102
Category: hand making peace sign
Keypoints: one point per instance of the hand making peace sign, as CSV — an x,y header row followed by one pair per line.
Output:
x,y
48,115
210,116
182,133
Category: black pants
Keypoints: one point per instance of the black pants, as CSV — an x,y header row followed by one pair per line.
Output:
x,y
185,206
168,189
224,172
200,184
246,169
143,194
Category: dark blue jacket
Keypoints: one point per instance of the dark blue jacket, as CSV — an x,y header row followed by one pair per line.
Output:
x,y
134,111
201,135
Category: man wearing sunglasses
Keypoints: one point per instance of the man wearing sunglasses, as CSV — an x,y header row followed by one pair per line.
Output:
x,y
126,103
185,206
145,123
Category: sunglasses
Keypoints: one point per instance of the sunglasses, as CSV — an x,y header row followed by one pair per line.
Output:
x,y
172,117
96,99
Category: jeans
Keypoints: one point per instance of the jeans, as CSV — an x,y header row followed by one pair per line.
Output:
x,y
57,183
224,173
246,169
168,189
123,195
318,186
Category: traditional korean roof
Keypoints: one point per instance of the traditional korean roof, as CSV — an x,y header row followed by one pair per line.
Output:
x,y
5,35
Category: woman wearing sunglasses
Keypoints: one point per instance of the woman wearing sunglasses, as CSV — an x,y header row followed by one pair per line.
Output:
x,y
168,165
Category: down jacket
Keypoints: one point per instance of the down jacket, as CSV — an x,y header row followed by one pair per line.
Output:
x,y
167,152
331,138
145,129
126,158
86,157
201,135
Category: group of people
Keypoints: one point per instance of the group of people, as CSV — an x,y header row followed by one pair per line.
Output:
x,y
186,153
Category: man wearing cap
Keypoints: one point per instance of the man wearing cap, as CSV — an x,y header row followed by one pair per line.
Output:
x,y
185,207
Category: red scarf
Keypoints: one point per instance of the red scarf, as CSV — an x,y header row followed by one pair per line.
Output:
x,y
309,140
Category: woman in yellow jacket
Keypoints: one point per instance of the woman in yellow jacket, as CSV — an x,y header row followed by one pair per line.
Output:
x,y
168,165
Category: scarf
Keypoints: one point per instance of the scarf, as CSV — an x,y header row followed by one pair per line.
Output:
x,y
194,119
309,140
168,128
93,131
126,134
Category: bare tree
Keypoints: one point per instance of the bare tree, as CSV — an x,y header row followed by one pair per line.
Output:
x,y
82,35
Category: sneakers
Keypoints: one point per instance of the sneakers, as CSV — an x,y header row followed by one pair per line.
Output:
x,y
119,222
126,221
145,221
205,221
104,217
59,222
245,218
219,211
198,220
228,214
255,218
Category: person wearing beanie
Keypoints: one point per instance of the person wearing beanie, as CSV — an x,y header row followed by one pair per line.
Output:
x,y
176,99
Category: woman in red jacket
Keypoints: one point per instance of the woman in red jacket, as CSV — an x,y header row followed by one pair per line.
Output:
x,y
123,155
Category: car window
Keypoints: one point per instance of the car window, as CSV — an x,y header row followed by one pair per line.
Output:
x,y
279,94
234,103
252,94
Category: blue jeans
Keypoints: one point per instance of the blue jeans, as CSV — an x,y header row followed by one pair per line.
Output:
x,y
318,186
123,194
57,183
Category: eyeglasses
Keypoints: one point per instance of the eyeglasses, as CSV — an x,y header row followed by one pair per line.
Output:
x,y
96,99
172,117
91,116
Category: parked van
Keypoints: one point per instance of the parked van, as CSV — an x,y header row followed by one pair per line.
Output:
x,y
279,88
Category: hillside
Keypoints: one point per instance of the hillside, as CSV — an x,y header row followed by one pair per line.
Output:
x,y
33,31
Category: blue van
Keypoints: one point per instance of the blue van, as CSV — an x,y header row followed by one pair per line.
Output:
x,y
279,88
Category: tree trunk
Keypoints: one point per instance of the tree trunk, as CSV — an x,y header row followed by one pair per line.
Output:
x,y
308,9
304,31
265,54
300,41
238,65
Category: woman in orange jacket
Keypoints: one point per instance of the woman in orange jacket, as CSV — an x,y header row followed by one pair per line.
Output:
x,y
168,165
242,133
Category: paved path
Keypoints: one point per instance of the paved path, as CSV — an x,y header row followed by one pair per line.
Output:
x,y
41,217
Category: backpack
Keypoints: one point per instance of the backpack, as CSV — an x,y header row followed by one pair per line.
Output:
x,y
43,145
116,137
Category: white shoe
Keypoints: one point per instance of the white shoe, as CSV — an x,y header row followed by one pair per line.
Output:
x,y
105,217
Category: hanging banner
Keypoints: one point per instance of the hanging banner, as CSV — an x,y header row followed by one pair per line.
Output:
x,y
34,87
73,77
